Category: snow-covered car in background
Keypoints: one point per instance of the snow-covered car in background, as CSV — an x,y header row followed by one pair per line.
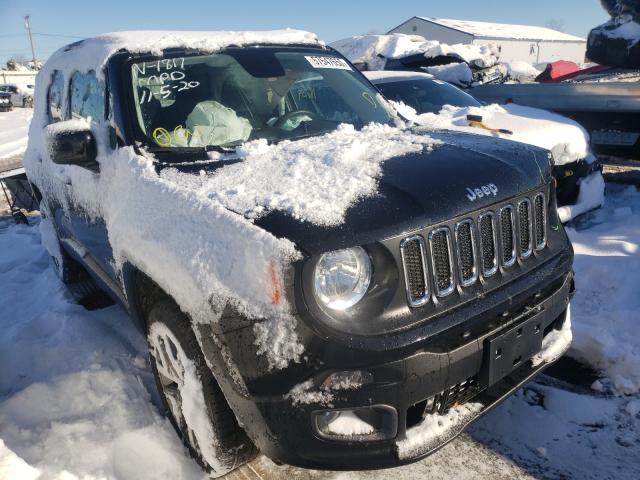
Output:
x,y
460,64
314,279
21,95
5,102
437,104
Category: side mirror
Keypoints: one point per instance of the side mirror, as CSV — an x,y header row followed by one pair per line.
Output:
x,y
74,148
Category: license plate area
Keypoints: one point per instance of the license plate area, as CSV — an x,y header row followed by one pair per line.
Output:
x,y
509,349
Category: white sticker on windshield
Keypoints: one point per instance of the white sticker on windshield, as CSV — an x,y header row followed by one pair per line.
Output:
x,y
328,62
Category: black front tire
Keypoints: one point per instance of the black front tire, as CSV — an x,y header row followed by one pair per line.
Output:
x,y
232,446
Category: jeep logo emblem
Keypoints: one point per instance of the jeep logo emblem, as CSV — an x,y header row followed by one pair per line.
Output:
x,y
484,191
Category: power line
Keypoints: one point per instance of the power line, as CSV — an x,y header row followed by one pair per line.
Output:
x,y
57,35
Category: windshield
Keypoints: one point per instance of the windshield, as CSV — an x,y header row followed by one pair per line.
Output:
x,y
427,95
224,99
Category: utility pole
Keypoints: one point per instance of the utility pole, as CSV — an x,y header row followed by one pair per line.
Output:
x,y
27,25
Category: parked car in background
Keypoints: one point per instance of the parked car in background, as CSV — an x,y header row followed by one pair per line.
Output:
x,y
580,185
606,103
21,95
5,102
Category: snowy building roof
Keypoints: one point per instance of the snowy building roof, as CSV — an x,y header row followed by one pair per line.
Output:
x,y
504,30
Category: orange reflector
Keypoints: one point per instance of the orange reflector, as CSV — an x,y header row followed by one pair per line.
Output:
x,y
276,292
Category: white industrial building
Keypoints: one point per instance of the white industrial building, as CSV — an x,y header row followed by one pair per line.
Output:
x,y
515,42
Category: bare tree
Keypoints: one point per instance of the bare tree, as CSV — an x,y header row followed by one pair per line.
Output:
x,y
19,58
555,24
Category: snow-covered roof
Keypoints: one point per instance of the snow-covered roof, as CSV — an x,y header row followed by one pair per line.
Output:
x,y
386,76
92,53
504,30
374,50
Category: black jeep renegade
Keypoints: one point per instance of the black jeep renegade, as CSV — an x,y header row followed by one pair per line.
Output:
x,y
435,299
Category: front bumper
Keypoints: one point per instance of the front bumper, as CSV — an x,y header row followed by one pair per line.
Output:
x,y
282,427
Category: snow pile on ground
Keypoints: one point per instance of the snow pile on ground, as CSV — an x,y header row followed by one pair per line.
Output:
x,y
554,432
14,126
75,385
314,179
605,309
374,50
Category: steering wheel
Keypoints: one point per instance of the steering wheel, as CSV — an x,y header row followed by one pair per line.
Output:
x,y
296,113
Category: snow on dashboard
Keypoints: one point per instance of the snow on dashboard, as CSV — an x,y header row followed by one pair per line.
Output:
x,y
374,50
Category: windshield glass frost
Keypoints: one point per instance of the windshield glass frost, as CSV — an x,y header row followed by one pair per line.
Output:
x,y
244,94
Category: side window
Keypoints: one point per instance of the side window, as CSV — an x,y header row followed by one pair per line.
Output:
x,y
55,97
87,98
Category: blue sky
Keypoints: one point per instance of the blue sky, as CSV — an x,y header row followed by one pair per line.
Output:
x,y
330,19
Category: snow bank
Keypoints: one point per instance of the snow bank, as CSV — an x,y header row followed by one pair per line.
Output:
x,y
563,433
374,50
75,385
435,429
605,308
14,126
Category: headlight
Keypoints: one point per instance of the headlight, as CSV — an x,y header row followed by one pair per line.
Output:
x,y
342,277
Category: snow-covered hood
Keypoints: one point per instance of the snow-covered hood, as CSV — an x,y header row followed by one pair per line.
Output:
x,y
422,188
567,140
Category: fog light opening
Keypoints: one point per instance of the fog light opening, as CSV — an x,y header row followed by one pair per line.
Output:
x,y
378,422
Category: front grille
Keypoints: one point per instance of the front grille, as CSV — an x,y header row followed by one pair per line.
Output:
x,y
487,244
507,236
442,261
481,245
466,246
413,253
540,217
524,227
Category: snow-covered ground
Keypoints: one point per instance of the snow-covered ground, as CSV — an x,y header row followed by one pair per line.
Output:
x,y
77,399
14,126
